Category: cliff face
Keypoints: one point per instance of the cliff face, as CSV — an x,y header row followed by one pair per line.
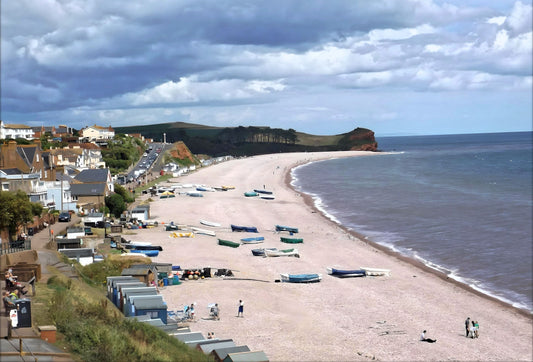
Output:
x,y
181,151
360,139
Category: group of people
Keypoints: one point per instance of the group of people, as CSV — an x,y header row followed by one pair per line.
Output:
x,y
9,299
472,328
12,283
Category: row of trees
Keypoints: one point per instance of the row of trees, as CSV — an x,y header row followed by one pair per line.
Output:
x,y
258,135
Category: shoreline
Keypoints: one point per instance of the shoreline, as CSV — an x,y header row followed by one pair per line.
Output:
x,y
308,199
338,319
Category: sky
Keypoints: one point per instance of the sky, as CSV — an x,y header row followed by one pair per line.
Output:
x,y
397,67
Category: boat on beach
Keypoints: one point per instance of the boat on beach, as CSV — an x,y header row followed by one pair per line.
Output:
x,y
291,230
181,235
345,273
202,231
261,252
143,247
267,197
253,240
249,229
209,223
266,192
145,252
274,252
195,194
291,240
251,194
301,278
375,271
229,243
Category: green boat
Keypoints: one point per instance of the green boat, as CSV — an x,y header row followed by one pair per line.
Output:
x,y
291,240
229,243
251,194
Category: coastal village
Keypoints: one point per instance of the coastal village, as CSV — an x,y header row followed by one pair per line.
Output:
x,y
229,262
71,183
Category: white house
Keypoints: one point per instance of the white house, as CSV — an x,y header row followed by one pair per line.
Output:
x,y
93,133
15,131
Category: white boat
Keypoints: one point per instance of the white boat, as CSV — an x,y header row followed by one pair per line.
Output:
x,y
140,243
203,231
375,271
209,223
276,252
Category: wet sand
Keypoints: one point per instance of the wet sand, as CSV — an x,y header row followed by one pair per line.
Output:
x,y
334,320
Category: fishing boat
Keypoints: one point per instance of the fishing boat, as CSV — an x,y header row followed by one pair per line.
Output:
x,y
345,273
261,252
224,187
203,231
291,240
253,240
204,188
145,252
251,194
195,194
181,235
166,195
229,243
267,197
261,191
249,229
375,271
300,278
291,230
273,252
209,223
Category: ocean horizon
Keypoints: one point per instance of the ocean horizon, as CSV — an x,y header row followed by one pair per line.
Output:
x,y
460,204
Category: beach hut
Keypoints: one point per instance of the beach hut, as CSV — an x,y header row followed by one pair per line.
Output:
x,y
189,337
129,309
126,292
255,356
75,232
116,289
141,213
109,282
143,274
220,353
152,306
211,344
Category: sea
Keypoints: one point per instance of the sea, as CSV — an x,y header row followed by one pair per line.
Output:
x,y
461,204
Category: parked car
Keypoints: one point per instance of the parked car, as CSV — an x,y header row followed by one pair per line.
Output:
x,y
64,217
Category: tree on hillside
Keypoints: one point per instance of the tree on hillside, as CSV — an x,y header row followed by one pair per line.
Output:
x,y
16,210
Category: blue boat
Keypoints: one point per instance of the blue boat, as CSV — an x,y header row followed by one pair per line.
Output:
x,y
301,278
253,240
145,252
346,273
249,229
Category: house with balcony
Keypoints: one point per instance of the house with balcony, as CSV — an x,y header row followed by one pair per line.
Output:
x,y
14,131
95,133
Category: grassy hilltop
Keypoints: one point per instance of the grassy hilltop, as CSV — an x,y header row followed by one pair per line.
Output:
x,y
253,140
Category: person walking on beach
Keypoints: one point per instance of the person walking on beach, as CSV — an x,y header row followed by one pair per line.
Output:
x,y
424,339
467,325
240,313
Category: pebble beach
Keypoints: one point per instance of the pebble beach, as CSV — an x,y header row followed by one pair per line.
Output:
x,y
337,319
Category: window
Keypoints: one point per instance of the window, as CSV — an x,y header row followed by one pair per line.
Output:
x,y
5,186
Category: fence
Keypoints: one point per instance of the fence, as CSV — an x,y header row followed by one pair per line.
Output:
x,y
15,246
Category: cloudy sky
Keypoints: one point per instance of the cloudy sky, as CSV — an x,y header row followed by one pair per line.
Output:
x,y
398,67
